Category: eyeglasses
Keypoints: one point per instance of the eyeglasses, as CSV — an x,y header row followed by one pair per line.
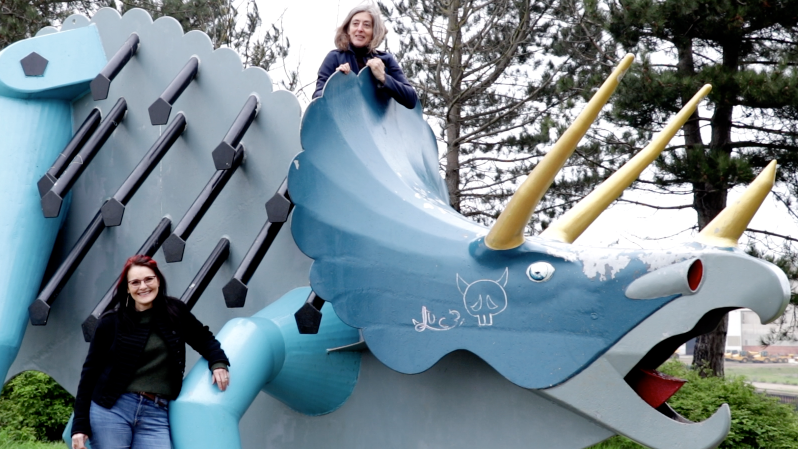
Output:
x,y
149,280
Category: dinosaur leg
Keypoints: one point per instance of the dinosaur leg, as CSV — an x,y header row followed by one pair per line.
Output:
x,y
267,353
24,233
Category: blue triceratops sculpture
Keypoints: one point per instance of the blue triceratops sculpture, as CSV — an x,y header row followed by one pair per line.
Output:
x,y
404,274
372,213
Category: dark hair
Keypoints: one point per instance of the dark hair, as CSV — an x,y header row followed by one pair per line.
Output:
x,y
162,305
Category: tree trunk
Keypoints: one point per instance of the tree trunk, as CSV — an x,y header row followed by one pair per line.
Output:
x,y
686,68
453,156
708,201
453,115
707,349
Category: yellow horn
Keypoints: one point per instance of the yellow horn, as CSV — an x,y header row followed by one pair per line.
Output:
x,y
508,231
727,227
574,222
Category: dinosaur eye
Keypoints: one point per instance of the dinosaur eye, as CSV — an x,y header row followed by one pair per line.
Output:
x,y
540,271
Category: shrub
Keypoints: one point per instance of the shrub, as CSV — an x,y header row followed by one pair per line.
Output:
x,y
34,407
758,421
617,442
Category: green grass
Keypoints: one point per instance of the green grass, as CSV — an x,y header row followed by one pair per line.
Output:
x,y
6,443
786,374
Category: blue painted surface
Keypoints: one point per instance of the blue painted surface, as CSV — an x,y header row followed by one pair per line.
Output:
x,y
266,352
36,123
396,261
24,232
74,59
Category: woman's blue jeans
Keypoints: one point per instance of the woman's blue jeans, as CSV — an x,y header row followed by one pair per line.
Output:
x,y
134,422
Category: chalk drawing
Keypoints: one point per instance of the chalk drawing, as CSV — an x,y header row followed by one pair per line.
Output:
x,y
484,298
428,321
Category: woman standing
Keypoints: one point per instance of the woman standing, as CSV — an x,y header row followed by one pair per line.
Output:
x,y
356,42
136,362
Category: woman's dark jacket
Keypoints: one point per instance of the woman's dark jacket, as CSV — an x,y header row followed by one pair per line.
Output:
x,y
396,85
114,357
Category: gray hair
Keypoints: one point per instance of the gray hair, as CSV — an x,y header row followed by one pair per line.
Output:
x,y
378,28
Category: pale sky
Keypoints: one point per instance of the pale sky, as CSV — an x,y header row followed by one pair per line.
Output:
x,y
310,26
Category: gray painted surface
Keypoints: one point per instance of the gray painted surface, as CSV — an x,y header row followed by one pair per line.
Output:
x,y
460,402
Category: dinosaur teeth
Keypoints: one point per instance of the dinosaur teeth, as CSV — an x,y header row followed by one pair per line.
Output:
x,y
654,387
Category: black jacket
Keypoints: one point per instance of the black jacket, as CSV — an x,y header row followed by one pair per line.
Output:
x,y
114,357
396,84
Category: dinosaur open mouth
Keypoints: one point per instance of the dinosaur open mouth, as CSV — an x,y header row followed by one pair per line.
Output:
x,y
656,388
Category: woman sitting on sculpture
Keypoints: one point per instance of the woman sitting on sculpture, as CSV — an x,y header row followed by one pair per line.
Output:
x,y
356,42
136,362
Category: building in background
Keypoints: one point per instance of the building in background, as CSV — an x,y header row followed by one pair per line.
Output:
x,y
747,333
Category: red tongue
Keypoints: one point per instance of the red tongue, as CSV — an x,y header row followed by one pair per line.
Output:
x,y
654,387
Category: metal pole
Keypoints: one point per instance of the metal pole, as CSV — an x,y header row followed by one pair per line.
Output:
x,y
162,107
75,144
114,209
51,201
40,309
224,153
102,82
206,273
277,210
174,246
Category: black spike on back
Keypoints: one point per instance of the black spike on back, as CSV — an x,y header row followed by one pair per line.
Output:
x,y
80,138
52,200
114,209
101,84
162,107
308,317
174,246
224,153
278,208
39,311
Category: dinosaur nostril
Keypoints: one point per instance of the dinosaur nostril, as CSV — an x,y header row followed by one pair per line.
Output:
x,y
694,274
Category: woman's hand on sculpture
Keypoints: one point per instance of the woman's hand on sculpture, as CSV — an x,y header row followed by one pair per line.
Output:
x,y
377,68
79,441
344,68
221,377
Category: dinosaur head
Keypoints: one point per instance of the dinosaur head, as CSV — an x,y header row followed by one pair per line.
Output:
x,y
421,281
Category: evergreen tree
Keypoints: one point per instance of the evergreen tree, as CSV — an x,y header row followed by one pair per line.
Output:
x,y
21,19
746,50
486,81
220,19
